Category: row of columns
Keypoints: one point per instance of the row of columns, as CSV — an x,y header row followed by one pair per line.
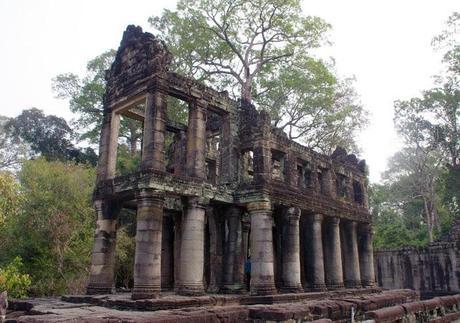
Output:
x,y
335,256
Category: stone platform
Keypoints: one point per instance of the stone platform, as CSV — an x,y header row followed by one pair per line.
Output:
x,y
335,306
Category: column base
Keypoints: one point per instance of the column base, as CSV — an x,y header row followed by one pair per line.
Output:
x,y
266,289
335,286
145,292
98,290
291,289
317,288
353,284
192,289
368,283
232,289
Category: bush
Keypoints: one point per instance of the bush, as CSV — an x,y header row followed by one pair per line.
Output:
x,y
13,280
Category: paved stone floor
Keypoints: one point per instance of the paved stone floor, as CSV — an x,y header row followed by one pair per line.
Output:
x,y
337,306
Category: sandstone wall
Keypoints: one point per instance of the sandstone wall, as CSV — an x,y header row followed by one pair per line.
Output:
x,y
431,270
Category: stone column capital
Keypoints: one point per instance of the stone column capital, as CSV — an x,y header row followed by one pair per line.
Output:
x,y
294,213
148,194
317,217
158,85
259,206
334,220
197,202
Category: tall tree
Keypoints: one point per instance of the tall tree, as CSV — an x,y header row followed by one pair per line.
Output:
x,y
47,135
235,40
310,104
262,52
12,150
413,176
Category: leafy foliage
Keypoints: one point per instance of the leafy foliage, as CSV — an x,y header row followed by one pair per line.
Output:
x,y
423,178
48,136
13,279
260,51
52,230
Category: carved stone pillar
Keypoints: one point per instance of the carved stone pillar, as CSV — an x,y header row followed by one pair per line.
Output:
x,y
246,225
102,261
147,261
167,253
262,262
232,244
228,157
192,249
153,150
291,252
366,257
108,146
333,254
350,255
317,275
215,249
177,248
262,153
196,140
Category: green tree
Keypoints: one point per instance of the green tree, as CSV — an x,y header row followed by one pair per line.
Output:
x,y
413,176
234,41
48,136
310,104
261,52
52,230
396,222
12,150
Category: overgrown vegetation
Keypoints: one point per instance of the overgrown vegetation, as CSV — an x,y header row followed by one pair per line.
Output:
x,y
419,197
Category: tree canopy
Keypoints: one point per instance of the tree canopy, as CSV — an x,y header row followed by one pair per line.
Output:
x,y
262,52
423,178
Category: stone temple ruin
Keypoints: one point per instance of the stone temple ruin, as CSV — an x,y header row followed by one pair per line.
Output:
x,y
229,187
235,222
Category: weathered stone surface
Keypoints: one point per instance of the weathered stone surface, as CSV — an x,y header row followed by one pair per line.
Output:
x,y
321,307
433,270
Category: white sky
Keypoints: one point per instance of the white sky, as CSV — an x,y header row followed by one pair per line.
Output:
x,y
385,44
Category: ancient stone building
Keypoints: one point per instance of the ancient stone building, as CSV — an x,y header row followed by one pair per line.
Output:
x,y
222,193
433,270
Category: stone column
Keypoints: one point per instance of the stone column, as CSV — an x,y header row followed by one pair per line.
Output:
x,y
215,249
191,259
262,264
167,253
108,146
147,261
262,161
246,225
153,147
196,140
317,275
233,221
177,248
366,257
333,255
101,279
291,252
350,255
228,163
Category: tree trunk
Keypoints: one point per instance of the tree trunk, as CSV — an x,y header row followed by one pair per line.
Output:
x,y
132,144
429,219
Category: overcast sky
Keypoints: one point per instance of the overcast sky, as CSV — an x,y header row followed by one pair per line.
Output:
x,y
384,44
